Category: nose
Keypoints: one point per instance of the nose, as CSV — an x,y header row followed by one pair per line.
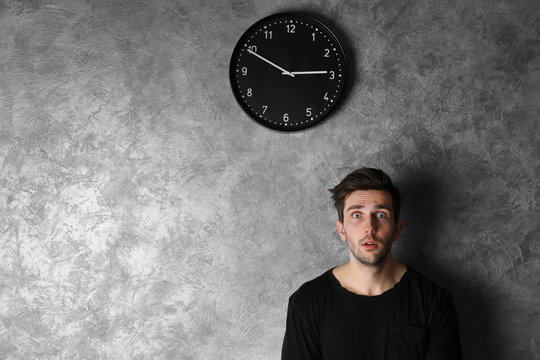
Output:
x,y
370,226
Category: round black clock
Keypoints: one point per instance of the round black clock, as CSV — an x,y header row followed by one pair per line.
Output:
x,y
288,71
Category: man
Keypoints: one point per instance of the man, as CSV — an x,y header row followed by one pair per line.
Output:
x,y
372,307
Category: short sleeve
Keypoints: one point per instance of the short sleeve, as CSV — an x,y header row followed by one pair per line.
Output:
x,y
444,343
301,340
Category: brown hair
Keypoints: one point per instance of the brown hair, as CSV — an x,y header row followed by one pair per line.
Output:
x,y
365,179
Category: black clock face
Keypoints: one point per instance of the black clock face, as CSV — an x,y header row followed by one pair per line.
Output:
x,y
288,71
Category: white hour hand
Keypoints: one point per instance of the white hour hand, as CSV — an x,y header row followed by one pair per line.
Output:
x,y
308,72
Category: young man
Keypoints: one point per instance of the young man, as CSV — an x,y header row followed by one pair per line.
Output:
x,y
372,307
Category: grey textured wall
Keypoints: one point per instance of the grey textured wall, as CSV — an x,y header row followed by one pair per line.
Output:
x,y
144,216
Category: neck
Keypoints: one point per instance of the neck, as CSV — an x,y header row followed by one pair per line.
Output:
x,y
370,280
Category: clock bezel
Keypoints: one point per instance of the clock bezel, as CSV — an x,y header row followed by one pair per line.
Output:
x,y
297,16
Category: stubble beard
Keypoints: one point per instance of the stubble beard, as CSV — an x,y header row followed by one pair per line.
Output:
x,y
366,259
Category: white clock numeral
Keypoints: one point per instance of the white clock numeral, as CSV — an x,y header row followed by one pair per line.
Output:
x,y
325,97
265,107
291,28
249,92
285,117
308,112
332,75
268,34
326,52
313,36
244,71
252,48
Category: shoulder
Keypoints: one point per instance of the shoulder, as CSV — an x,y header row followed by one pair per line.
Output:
x,y
434,300
309,302
421,283
312,290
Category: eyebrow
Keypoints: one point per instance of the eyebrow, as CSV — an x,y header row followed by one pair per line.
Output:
x,y
359,207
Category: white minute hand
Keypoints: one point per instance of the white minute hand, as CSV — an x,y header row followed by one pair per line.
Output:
x,y
284,72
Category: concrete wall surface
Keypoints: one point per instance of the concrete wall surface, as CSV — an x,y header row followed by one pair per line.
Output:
x,y
143,215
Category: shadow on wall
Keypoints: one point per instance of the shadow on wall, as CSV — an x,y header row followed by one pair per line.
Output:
x,y
321,13
423,200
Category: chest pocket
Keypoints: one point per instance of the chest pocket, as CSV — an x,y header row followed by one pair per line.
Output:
x,y
406,342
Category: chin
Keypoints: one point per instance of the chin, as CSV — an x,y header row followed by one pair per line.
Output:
x,y
373,261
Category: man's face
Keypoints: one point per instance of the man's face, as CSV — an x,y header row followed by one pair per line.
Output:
x,y
369,226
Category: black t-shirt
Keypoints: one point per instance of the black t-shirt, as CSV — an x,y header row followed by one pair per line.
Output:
x,y
416,319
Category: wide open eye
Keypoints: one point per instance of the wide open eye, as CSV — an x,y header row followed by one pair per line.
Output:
x,y
356,215
381,215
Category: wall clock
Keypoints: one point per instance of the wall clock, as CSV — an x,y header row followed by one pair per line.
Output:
x,y
288,71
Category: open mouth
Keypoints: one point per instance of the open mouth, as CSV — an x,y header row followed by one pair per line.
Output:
x,y
370,245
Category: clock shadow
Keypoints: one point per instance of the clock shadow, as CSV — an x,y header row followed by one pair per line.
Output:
x,y
346,43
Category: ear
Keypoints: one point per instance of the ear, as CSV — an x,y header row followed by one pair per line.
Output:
x,y
341,230
397,230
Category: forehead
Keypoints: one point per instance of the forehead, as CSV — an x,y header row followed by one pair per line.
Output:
x,y
369,198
